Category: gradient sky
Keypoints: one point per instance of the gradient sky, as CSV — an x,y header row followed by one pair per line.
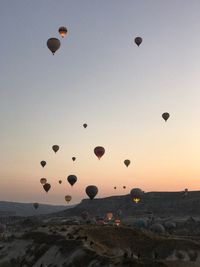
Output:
x,y
99,76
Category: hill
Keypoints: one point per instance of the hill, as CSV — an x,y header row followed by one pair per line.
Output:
x,y
27,209
157,203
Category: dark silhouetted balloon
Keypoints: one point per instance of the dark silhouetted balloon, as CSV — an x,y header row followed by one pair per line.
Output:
x,y
68,198
43,163
115,187
62,31
185,193
85,125
47,187
60,181
138,41
55,148
73,158
99,151
124,187
127,162
72,179
35,205
91,191
53,44
136,194
165,116
43,181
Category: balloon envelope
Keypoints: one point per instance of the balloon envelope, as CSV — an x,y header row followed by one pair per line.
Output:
x,y
53,44
136,195
91,191
43,163
138,41
73,158
47,187
55,148
127,162
60,181
85,125
62,31
109,216
68,198
165,116
99,151
35,205
43,181
72,179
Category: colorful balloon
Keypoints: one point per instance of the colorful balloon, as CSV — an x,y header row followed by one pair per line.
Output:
x,y
117,222
109,216
62,31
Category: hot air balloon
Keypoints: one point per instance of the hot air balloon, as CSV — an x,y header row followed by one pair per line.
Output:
x,y
53,44
127,162
43,163
185,193
43,181
99,151
124,187
35,205
68,198
91,191
117,222
62,31
72,179
47,187
109,216
138,41
60,181
165,116
55,148
136,195
73,158
115,187
85,125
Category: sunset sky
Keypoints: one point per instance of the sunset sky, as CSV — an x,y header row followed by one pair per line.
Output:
x,y
99,77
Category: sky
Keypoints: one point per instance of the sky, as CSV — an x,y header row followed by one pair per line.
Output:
x,y
100,77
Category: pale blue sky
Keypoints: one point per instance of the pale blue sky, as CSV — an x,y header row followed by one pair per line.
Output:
x,y
101,77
